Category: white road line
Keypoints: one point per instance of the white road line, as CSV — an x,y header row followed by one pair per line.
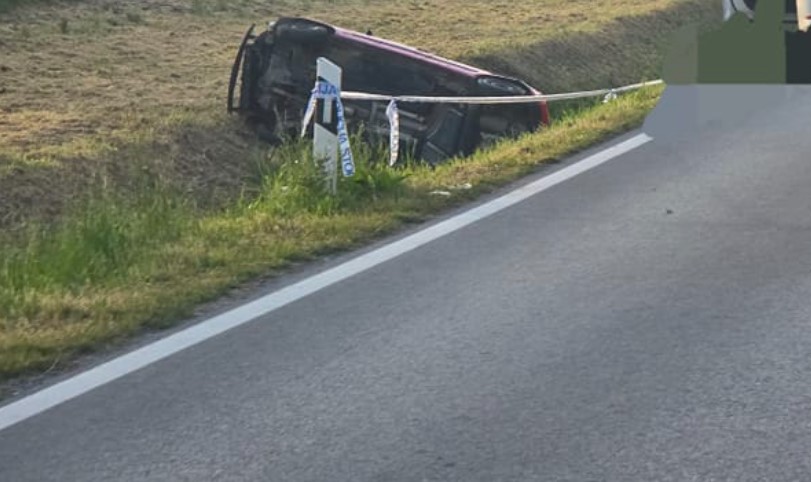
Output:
x,y
73,387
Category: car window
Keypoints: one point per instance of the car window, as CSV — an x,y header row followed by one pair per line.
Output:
x,y
377,72
291,64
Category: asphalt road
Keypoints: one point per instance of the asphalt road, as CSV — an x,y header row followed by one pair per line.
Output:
x,y
647,320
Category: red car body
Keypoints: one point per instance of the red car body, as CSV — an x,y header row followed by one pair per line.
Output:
x,y
277,69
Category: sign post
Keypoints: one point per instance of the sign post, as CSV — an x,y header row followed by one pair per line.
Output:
x,y
325,130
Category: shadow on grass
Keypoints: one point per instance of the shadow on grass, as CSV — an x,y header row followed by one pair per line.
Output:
x,y
210,160
628,50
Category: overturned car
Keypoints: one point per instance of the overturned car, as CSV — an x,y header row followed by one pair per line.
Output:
x,y
276,71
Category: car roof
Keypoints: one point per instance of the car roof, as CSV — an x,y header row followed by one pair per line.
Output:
x,y
411,52
396,48
393,47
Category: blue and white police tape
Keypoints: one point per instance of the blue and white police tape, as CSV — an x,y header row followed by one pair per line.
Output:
x,y
611,95
499,100
392,111
327,91
394,132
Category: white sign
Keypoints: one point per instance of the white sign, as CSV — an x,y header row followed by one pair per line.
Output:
x,y
330,134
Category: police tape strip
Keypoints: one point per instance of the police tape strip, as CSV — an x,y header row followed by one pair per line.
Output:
x,y
327,91
393,114
519,99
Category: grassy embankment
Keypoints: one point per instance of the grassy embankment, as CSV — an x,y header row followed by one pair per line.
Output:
x,y
127,197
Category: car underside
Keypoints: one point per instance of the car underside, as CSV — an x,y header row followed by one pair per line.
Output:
x,y
277,70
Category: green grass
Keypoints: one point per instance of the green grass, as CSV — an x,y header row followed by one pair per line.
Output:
x,y
117,264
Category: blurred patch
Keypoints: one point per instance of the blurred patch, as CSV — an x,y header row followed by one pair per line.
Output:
x,y
760,42
740,70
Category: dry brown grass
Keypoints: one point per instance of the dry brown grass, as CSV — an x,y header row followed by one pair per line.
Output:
x,y
85,85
